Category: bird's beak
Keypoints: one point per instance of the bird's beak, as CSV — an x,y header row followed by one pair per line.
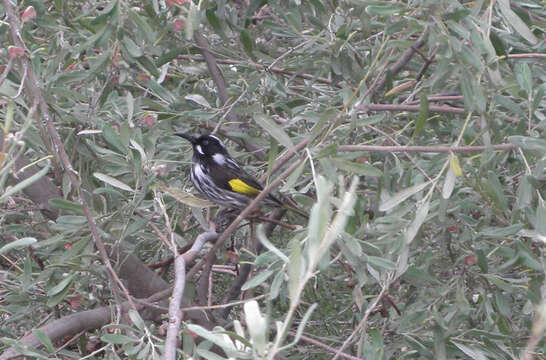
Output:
x,y
188,137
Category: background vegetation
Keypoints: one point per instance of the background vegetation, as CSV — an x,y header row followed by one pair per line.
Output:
x,y
411,131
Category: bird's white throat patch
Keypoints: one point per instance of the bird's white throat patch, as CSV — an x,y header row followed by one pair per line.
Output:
x,y
218,158
199,150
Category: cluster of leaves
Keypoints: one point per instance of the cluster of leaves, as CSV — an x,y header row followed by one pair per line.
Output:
x,y
453,240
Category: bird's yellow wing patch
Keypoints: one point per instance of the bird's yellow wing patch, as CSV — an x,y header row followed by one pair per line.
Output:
x,y
239,186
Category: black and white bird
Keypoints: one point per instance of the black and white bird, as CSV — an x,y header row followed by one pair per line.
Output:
x,y
218,177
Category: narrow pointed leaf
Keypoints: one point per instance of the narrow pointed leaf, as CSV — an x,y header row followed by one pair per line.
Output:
x,y
26,241
268,245
420,216
274,130
23,184
423,115
257,280
185,197
399,197
113,182
294,272
516,22
61,286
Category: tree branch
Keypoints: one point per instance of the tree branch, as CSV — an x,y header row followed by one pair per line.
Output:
x,y
68,325
405,107
175,315
402,61
432,108
214,71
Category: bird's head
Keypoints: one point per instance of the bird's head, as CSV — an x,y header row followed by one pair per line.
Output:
x,y
205,146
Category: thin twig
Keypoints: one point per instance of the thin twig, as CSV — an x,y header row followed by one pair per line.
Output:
x,y
524,56
216,269
284,158
6,70
144,303
228,111
427,149
209,293
403,60
159,234
323,346
404,107
222,306
438,98
170,259
70,341
413,161
274,69
414,108
348,103
428,61
373,87
362,322
291,50
277,222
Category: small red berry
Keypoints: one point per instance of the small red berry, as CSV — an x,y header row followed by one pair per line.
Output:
x,y
15,51
29,13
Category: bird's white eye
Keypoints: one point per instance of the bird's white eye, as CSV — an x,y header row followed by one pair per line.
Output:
x,y
218,158
199,150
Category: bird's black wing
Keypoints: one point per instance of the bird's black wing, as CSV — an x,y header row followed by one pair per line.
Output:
x,y
230,176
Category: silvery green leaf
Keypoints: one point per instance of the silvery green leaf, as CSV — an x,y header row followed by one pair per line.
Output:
x,y
199,99
24,183
449,183
257,280
26,241
268,245
256,325
516,22
113,181
274,130
420,216
391,202
295,271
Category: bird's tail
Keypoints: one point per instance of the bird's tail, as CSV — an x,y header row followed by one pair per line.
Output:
x,y
283,203
296,210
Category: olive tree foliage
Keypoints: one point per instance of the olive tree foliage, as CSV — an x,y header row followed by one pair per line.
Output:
x,y
419,127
